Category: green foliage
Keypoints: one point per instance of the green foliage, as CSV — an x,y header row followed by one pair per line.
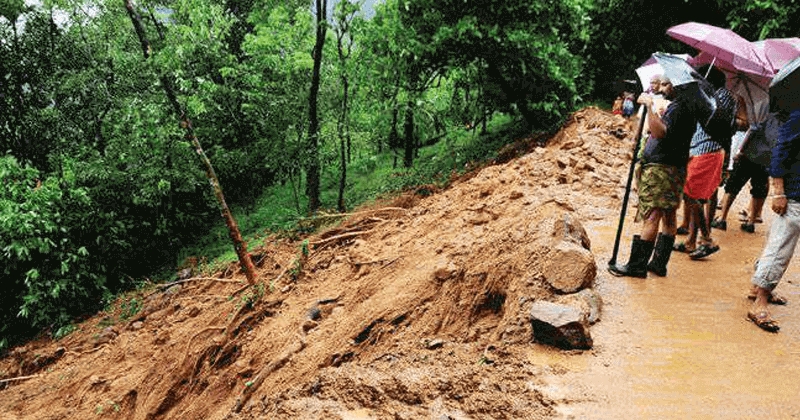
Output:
x,y
49,273
524,52
760,19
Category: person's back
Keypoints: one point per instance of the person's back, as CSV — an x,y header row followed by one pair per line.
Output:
x,y
763,137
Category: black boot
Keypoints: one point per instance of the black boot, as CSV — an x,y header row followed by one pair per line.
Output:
x,y
637,264
661,254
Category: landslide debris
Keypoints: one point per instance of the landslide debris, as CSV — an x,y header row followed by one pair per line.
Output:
x,y
415,308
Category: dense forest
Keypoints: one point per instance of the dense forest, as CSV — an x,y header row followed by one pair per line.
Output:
x,y
105,107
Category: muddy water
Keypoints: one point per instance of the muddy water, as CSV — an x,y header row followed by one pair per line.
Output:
x,y
680,347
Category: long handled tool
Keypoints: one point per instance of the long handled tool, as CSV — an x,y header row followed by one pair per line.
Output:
x,y
637,139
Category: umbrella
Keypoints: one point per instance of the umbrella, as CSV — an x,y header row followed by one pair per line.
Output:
x,y
778,51
724,45
754,87
784,91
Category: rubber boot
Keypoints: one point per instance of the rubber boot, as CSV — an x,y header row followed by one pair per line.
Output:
x,y
637,264
661,254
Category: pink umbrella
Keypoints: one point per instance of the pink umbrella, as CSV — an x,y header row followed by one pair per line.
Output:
x,y
754,87
724,45
778,51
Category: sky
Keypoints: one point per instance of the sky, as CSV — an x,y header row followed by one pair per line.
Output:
x,y
62,17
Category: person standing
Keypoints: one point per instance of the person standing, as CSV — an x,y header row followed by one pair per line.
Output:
x,y
703,175
751,163
661,181
784,174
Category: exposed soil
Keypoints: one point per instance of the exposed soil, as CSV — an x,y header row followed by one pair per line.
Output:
x,y
410,309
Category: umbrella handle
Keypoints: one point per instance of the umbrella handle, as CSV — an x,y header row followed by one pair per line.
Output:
x,y
637,139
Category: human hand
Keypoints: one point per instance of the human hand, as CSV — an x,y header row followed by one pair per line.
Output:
x,y
645,99
737,156
779,204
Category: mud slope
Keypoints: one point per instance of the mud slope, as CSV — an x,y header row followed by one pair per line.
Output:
x,y
411,310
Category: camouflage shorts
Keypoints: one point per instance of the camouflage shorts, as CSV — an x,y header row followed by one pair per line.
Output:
x,y
660,187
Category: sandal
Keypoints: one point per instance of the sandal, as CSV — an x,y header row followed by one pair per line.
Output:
x,y
682,231
719,224
773,299
681,247
743,217
763,321
703,251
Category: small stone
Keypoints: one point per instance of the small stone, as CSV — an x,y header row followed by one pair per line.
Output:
x,y
433,344
174,290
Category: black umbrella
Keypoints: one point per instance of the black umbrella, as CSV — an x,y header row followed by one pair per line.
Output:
x,y
784,90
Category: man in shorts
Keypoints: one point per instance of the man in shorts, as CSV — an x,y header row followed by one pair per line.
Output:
x,y
661,181
750,164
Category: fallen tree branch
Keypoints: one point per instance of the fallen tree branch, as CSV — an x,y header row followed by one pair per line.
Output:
x,y
342,236
276,364
358,213
18,378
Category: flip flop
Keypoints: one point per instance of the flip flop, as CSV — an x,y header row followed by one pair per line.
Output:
x,y
703,251
773,299
763,321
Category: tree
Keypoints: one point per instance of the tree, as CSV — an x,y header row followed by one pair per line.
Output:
x,y
236,237
345,12
528,50
313,166
760,19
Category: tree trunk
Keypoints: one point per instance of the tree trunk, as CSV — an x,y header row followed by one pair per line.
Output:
x,y
313,168
511,94
344,142
233,228
408,133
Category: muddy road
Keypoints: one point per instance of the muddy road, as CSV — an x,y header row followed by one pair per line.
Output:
x,y
680,347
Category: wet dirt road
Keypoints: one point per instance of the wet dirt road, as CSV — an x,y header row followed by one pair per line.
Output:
x,y
680,347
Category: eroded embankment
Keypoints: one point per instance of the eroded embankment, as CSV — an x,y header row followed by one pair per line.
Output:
x,y
415,309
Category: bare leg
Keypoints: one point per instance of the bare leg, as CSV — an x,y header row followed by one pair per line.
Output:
x,y
727,201
670,221
650,227
756,205
711,208
686,214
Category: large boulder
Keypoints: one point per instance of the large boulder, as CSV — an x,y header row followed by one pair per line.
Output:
x,y
560,325
569,267
569,264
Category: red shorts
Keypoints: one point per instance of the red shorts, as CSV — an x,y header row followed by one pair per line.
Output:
x,y
703,175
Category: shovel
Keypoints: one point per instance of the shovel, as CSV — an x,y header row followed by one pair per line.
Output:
x,y
637,138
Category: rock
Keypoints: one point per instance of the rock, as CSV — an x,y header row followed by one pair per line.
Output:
x,y
568,228
432,344
560,325
588,301
184,274
174,290
138,325
106,336
569,267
